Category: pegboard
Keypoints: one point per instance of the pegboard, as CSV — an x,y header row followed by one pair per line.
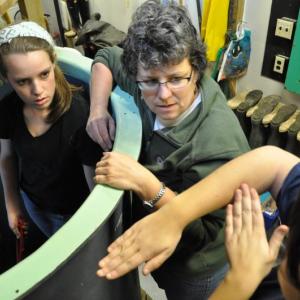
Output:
x,y
276,45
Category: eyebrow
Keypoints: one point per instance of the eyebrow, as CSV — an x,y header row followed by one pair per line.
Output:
x,y
27,78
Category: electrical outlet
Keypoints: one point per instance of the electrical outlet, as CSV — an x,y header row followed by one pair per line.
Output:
x,y
279,64
284,28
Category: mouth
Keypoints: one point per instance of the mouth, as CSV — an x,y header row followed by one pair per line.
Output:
x,y
41,101
166,107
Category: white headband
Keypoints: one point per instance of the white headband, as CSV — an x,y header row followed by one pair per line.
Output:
x,y
29,29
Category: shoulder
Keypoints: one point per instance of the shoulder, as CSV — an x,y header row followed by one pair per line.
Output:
x,y
10,110
10,101
210,86
11,104
79,109
108,55
218,127
214,106
78,100
207,81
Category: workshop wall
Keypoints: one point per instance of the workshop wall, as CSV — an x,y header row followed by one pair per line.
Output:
x,y
257,15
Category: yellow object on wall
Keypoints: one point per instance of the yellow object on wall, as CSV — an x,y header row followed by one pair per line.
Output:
x,y
214,26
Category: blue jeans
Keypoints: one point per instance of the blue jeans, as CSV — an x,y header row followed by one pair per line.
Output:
x,y
47,222
178,288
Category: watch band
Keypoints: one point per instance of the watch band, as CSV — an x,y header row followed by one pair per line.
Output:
x,y
151,203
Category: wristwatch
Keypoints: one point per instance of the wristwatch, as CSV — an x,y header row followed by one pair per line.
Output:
x,y
150,204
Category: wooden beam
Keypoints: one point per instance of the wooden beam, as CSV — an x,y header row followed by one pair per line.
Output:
x,y
32,10
5,5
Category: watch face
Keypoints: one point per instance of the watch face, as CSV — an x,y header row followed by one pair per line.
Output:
x,y
151,203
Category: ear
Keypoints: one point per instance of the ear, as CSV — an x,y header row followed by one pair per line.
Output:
x,y
195,76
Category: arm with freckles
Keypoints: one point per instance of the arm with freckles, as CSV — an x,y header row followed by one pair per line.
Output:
x,y
264,169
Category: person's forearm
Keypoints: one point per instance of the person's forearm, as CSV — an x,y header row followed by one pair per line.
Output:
x,y
148,187
152,192
235,286
264,169
100,86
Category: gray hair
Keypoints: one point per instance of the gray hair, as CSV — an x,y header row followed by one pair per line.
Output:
x,y
162,35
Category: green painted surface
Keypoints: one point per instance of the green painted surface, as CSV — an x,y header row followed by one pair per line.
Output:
x,y
18,280
292,81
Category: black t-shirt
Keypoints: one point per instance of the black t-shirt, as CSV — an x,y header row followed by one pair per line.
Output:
x,y
50,165
289,193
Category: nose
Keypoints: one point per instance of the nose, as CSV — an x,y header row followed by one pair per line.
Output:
x,y
163,91
36,87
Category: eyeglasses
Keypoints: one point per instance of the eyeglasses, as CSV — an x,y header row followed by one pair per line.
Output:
x,y
173,84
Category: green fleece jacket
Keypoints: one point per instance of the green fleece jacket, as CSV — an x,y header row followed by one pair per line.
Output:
x,y
181,156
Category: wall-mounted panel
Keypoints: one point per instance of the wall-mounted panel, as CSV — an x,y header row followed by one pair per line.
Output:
x,y
279,41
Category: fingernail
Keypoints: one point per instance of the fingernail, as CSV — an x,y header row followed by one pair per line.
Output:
x,y
101,264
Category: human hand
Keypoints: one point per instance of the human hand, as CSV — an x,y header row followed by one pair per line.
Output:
x,y
17,223
251,256
151,240
101,128
123,172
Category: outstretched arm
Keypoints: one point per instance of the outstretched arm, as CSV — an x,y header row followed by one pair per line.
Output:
x,y
251,256
100,125
264,168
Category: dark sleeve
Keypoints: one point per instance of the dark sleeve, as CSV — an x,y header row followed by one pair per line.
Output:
x,y
86,149
289,193
8,111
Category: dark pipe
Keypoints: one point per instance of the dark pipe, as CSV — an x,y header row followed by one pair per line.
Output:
x,y
59,21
